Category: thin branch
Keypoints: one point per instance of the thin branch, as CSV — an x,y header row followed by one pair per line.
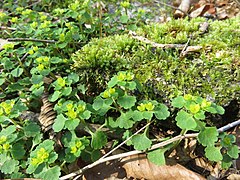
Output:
x,y
7,28
157,45
159,145
104,158
30,39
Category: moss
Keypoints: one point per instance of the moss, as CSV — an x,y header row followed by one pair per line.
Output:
x,y
211,73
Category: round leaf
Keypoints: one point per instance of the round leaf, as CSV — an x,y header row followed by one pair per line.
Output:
x,y
208,136
185,120
127,101
213,153
141,142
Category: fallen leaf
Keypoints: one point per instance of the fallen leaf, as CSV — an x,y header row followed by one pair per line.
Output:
x,y
234,177
200,11
139,167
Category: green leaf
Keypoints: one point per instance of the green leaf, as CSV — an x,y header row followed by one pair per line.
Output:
x,y
36,79
208,136
131,85
213,153
226,162
52,157
157,157
72,124
185,120
178,102
98,103
54,96
233,151
211,110
124,19
228,140
161,112
95,155
137,115
17,72
147,114
59,123
141,142
38,92
2,80
200,115
220,110
18,151
46,144
85,115
200,125
9,166
31,129
112,82
66,91
9,130
51,173
124,121
74,77
127,101
99,139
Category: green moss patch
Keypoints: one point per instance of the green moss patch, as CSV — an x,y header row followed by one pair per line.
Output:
x,y
214,72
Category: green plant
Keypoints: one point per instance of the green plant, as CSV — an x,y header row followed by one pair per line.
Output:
x,y
23,145
38,59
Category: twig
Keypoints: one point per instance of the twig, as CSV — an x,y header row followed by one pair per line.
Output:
x,y
7,28
104,158
159,145
157,45
30,39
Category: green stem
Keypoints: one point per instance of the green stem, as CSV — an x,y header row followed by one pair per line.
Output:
x,y
174,145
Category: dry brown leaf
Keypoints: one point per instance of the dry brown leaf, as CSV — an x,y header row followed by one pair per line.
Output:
x,y
105,171
47,114
138,166
234,177
200,11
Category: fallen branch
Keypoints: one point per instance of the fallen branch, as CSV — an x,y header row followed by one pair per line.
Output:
x,y
30,39
7,28
157,45
159,145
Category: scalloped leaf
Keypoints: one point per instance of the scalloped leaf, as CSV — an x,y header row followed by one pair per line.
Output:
x,y
233,151
141,142
213,153
124,121
59,123
99,139
178,102
208,136
157,157
161,112
185,120
127,101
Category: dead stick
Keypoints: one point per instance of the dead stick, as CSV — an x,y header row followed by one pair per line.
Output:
x,y
162,144
30,39
157,45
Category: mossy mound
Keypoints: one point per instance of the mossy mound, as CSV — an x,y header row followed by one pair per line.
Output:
x,y
214,72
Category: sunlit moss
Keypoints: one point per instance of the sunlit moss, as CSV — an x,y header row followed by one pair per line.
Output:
x,y
213,72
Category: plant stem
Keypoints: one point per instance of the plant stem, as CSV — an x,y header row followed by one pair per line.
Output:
x,y
175,144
